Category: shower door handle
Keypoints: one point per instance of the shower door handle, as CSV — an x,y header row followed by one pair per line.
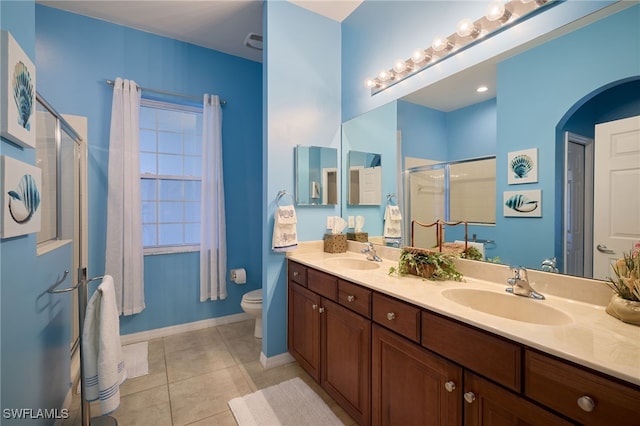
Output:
x,y
603,249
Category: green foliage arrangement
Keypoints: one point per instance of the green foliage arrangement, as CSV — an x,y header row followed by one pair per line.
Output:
x,y
428,264
626,282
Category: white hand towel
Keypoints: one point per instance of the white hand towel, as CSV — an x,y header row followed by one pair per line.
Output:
x,y
102,357
285,234
392,231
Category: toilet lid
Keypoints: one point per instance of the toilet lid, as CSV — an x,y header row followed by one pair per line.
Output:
x,y
254,296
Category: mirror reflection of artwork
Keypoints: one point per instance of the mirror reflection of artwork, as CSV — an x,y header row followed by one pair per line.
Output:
x,y
18,105
365,178
523,203
523,166
21,184
316,175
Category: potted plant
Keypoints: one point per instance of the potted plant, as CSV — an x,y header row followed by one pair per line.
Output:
x,y
428,264
625,303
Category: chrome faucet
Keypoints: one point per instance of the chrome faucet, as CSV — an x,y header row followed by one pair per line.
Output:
x,y
520,284
370,251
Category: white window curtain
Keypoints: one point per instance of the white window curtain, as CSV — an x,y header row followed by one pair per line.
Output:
x,y
124,258
213,238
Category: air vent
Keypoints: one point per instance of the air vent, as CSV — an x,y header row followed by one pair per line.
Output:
x,y
253,41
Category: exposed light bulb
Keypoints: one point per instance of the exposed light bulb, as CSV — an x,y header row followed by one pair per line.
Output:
x,y
369,83
385,76
441,43
496,11
466,28
400,66
482,89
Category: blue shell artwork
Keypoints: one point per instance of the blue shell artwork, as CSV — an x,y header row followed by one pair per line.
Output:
x,y
23,91
521,204
521,165
24,200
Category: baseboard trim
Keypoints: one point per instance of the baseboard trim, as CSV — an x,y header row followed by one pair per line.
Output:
x,y
275,361
143,336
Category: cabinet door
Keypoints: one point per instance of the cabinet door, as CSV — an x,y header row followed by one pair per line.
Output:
x,y
411,385
303,328
489,404
346,359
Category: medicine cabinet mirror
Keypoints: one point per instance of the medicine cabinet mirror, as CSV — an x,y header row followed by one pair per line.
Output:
x,y
365,178
316,175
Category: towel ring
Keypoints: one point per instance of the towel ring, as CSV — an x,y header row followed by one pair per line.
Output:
x,y
391,198
281,194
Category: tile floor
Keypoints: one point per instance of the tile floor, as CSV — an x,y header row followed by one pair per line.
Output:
x,y
193,375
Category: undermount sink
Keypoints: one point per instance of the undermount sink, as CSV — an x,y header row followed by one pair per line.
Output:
x,y
508,306
358,264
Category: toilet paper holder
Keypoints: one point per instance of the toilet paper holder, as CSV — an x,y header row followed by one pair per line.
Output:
x,y
239,276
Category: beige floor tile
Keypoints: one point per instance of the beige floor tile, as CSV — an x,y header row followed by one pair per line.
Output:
x,y
149,407
222,419
192,339
197,360
205,395
242,344
264,378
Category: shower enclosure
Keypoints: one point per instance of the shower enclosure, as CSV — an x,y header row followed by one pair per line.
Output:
x,y
60,154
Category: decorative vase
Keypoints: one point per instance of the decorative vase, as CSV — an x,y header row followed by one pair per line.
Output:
x,y
625,310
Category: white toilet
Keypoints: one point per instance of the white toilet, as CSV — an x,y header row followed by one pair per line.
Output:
x,y
252,305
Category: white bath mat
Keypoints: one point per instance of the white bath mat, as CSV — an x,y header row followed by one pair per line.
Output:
x,y
136,360
288,403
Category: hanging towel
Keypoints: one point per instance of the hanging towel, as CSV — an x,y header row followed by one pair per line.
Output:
x,y
285,234
102,357
392,224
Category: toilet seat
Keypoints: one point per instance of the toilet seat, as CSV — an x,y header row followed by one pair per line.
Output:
x,y
254,296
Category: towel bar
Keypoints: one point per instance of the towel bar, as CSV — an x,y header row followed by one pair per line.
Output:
x,y
82,308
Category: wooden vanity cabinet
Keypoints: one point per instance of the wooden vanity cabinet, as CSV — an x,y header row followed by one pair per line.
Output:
x,y
332,343
411,385
489,404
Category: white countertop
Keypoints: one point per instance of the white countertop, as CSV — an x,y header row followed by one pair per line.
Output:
x,y
592,338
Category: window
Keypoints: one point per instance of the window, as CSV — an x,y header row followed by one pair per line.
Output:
x,y
170,163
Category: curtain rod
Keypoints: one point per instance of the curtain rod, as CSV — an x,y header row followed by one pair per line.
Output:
x,y
162,92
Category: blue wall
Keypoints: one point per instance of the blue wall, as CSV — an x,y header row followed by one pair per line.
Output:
x,y
302,93
75,55
35,326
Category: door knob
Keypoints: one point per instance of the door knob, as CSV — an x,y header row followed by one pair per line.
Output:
x,y
603,249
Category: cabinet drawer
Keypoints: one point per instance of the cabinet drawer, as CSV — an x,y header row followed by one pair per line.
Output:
x,y
298,273
398,316
479,351
563,386
324,284
355,297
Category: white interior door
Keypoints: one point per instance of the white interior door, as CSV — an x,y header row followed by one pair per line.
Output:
x,y
617,192
371,185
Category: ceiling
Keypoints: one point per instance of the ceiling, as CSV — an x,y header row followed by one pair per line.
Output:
x,y
221,25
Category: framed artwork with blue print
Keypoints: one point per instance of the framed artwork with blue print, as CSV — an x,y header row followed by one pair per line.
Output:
x,y
522,203
523,166
21,188
17,93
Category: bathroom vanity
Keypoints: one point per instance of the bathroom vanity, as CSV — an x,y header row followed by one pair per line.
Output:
x,y
393,350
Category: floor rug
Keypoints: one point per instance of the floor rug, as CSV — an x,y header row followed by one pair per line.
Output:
x,y
288,403
136,359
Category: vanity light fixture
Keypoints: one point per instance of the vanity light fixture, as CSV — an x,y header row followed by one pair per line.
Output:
x,y
500,14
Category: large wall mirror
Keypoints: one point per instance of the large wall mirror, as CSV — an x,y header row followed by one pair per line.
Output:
x,y
538,99
316,175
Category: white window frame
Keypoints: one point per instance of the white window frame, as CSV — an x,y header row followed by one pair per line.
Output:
x,y
176,248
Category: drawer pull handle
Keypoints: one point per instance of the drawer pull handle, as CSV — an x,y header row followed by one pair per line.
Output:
x,y
314,306
450,386
469,397
586,403
391,316
321,310
350,298
296,273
